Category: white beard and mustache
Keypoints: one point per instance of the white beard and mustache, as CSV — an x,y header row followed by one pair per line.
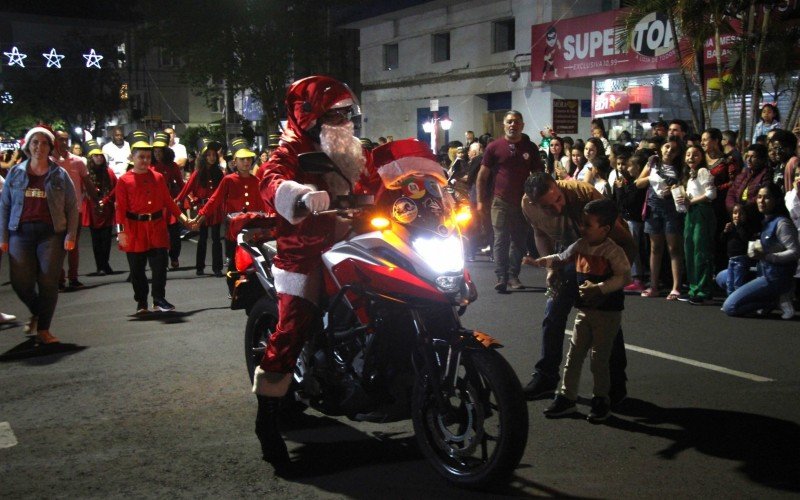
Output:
x,y
339,143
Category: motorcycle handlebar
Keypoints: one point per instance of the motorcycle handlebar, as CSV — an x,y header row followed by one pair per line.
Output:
x,y
301,208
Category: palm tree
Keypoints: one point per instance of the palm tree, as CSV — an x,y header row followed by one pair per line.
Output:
x,y
699,21
626,24
768,42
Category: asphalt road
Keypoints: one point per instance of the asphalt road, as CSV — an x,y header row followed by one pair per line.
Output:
x,y
160,406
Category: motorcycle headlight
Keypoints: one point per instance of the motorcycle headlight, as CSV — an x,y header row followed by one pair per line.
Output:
x,y
443,255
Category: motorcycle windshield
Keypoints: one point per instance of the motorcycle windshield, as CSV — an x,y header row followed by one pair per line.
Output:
x,y
421,205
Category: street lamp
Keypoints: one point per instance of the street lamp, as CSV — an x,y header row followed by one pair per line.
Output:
x,y
443,122
513,70
434,123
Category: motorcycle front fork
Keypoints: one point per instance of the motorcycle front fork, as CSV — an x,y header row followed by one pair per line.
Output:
x,y
440,368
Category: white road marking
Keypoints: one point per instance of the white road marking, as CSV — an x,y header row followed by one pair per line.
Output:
x,y
7,437
692,362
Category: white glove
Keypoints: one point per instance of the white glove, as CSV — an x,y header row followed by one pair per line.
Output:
x,y
316,201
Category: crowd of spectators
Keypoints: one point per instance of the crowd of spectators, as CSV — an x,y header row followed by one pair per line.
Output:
x,y
699,201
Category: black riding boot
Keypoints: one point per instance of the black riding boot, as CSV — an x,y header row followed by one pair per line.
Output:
x,y
272,445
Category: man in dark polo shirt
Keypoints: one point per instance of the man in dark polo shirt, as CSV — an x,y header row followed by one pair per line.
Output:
x,y
509,160
553,208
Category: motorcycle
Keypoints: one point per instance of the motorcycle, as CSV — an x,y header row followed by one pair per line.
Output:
x,y
393,346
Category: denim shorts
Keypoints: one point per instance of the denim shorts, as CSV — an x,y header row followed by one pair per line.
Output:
x,y
663,218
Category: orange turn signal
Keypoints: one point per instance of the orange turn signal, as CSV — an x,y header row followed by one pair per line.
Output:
x,y
463,216
380,222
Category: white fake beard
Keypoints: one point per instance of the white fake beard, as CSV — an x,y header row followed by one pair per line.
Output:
x,y
339,143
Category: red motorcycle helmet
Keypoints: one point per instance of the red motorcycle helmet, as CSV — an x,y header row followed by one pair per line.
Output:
x,y
308,99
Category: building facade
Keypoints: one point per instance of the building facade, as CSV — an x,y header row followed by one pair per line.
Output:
x,y
556,62
472,58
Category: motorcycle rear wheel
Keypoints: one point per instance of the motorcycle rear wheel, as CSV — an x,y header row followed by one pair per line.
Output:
x,y
480,438
261,324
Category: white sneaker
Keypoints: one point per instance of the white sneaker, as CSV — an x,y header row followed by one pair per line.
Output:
x,y
787,310
7,318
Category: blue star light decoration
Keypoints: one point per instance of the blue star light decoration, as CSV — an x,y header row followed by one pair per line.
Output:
x,y
53,59
15,57
92,59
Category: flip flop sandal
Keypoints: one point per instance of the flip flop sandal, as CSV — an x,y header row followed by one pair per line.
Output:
x,y
650,292
674,295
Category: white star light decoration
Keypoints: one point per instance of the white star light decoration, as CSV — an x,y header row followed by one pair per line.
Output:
x,y
15,57
92,59
53,59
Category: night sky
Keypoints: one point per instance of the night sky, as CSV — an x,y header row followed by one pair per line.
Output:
x,y
124,11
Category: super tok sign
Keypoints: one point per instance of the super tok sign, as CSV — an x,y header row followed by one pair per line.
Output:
x,y
588,46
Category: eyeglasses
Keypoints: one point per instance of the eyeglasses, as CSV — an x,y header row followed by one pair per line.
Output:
x,y
339,115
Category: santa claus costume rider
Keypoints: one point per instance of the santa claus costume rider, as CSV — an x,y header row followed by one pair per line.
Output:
x,y
319,111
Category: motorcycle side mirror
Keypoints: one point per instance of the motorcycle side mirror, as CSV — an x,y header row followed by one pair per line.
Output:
x,y
316,163
365,200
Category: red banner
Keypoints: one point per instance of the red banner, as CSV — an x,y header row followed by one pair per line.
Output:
x,y
587,46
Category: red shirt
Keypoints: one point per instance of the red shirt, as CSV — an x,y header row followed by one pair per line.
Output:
x,y
724,171
511,163
197,192
172,176
235,194
144,193
90,215
174,179
34,207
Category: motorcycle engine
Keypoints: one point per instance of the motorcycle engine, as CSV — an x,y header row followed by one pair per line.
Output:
x,y
332,376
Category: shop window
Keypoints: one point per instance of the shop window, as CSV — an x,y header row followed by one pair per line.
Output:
x,y
441,47
503,35
391,56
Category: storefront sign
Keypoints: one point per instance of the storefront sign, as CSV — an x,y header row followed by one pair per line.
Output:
x,y
565,116
620,101
588,46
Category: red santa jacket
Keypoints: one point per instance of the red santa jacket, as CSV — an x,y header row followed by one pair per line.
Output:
x,y
299,245
141,194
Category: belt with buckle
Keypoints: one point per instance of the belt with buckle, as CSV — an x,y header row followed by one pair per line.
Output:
x,y
143,217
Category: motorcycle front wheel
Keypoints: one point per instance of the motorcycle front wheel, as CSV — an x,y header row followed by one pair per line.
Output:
x,y
478,438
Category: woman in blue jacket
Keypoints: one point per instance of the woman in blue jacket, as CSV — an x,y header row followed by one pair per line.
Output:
x,y
777,251
38,225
